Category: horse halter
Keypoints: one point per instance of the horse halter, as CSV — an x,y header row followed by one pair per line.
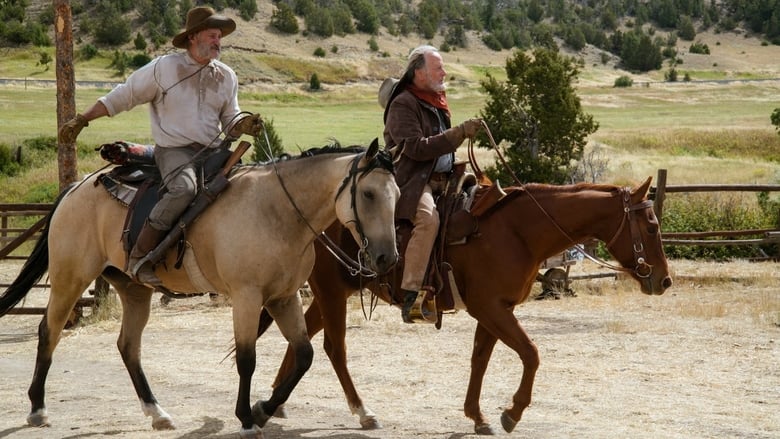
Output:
x,y
630,214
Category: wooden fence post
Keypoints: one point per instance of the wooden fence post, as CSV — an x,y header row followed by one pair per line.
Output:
x,y
66,86
660,195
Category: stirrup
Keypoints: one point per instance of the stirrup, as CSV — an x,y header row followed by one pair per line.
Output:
x,y
423,311
152,280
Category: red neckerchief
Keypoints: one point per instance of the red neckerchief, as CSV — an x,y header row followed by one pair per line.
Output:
x,y
436,98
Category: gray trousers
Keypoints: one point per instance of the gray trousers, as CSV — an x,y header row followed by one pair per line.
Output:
x,y
178,168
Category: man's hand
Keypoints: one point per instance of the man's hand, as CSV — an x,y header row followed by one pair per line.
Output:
x,y
252,125
471,127
71,129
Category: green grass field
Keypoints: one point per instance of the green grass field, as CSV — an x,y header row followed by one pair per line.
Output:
x,y
699,131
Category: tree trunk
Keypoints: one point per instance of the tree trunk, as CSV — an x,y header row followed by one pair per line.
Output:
x,y
66,86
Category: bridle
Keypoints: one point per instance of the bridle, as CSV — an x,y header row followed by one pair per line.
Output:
x,y
381,160
630,213
641,268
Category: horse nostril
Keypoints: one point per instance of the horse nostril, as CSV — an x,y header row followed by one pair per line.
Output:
x,y
667,282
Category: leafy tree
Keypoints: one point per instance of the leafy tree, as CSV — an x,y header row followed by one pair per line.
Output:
x,y
366,18
111,28
320,22
685,28
537,111
639,52
283,19
247,9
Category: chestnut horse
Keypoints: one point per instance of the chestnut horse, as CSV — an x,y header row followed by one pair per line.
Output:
x,y
254,244
494,271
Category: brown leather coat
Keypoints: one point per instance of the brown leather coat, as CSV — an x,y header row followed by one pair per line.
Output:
x,y
416,128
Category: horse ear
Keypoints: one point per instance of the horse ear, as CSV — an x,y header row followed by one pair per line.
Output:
x,y
641,190
372,149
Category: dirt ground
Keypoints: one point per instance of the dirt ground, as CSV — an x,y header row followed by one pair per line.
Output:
x,y
702,361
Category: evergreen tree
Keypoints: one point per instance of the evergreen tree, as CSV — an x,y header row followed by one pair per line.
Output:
x,y
536,110
283,19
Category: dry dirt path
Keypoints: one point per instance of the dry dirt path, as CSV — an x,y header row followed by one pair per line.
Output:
x,y
701,361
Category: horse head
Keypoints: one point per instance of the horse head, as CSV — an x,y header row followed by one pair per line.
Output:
x,y
367,209
637,242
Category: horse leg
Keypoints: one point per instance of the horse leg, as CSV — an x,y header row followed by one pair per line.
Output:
x,y
500,322
288,314
313,326
246,321
136,306
66,288
484,342
334,316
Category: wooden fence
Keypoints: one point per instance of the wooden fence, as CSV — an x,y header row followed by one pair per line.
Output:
x,y
732,237
12,237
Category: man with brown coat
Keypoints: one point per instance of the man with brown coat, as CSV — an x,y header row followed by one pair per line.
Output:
x,y
419,131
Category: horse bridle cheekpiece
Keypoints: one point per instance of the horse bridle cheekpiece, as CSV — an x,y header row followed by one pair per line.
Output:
x,y
642,269
381,160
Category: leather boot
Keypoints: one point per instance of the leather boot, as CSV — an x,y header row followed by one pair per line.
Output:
x,y
409,298
146,242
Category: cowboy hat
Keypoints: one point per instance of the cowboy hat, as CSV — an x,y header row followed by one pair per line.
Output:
x,y
386,90
200,18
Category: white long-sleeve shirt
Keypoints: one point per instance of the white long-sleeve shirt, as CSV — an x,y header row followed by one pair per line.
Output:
x,y
189,103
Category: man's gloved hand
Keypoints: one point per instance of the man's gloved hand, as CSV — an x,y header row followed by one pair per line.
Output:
x,y
252,125
71,129
471,127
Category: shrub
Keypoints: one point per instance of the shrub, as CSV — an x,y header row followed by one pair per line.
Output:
x,y
260,153
624,81
492,42
319,52
314,82
283,19
373,45
139,60
9,165
699,47
139,42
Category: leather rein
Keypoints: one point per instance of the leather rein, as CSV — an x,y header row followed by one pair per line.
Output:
x,y
641,268
354,267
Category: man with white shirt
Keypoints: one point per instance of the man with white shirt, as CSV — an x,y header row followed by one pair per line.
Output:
x,y
193,99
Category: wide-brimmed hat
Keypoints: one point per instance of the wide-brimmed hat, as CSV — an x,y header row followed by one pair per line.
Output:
x,y
200,18
386,90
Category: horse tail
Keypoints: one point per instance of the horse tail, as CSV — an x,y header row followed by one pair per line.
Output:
x,y
33,269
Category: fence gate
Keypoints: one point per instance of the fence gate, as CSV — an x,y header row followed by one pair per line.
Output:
x,y
13,236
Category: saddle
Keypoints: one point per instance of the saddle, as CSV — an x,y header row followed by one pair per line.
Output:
x,y
465,199
135,183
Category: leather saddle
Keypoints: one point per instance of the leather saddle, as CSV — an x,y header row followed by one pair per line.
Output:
x,y
135,181
465,199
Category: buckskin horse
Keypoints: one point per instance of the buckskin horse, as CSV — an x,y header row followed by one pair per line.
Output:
x,y
254,244
494,272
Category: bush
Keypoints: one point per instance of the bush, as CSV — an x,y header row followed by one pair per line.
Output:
x,y
139,60
711,212
283,19
314,82
88,51
699,47
319,52
492,42
9,165
624,81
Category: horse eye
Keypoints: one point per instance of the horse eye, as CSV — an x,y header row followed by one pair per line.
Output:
x,y
368,195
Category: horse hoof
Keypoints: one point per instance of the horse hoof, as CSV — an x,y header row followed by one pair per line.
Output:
x,y
484,430
370,423
251,433
163,423
38,418
259,415
280,412
508,423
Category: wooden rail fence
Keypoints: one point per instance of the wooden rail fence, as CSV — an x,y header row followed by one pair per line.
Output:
x,y
12,237
767,236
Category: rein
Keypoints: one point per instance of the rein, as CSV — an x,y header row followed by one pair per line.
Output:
x,y
642,269
354,267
